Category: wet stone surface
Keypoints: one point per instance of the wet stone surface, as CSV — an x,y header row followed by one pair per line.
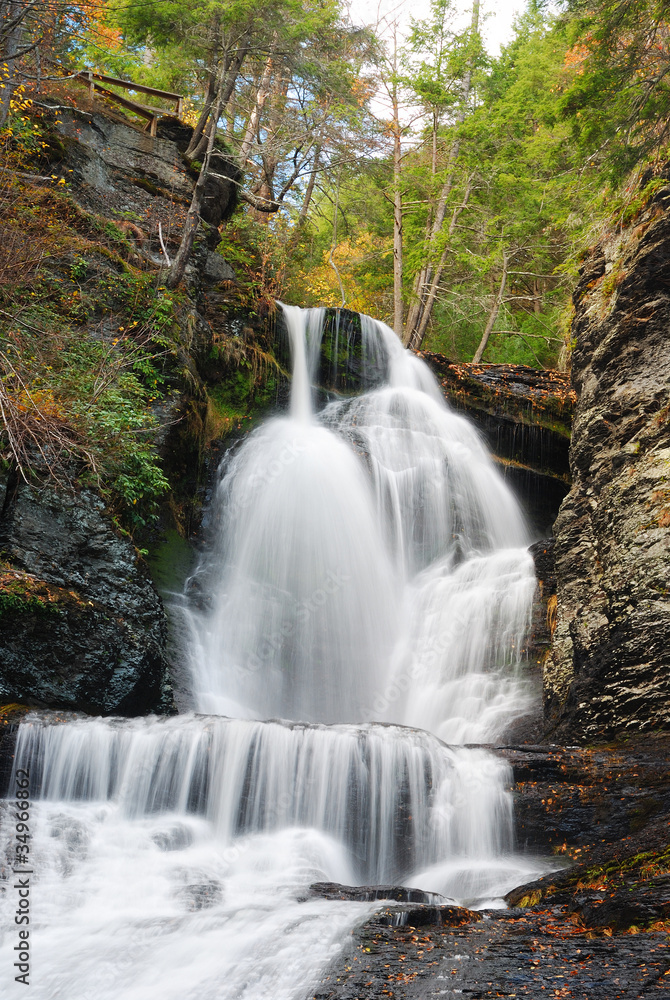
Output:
x,y
514,953
597,928
367,893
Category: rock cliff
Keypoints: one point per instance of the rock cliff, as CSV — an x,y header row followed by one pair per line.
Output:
x,y
82,626
610,669
525,416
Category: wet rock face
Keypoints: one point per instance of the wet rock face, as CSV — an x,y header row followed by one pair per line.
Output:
x,y
123,172
610,670
81,626
574,801
369,893
606,814
510,953
525,417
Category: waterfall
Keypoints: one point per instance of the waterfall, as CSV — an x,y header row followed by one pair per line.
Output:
x,y
364,604
372,565
379,791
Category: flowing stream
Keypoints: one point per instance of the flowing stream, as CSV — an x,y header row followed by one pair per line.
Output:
x,y
368,592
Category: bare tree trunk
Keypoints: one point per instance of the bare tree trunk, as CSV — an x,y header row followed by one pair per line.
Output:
x,y
495,309
270,158
192,221
230,117
226,79
397,220
424,279
216,58
333,246
297,170
199,129
425,276
416,337
307,200
11,35
261,97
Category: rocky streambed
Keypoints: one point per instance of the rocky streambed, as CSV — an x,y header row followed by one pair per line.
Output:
x,y
512,953
597,927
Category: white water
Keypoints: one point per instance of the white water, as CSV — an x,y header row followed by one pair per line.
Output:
x,y
371,566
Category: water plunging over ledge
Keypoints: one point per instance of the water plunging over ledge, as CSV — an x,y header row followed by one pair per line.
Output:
x,y
369,591
371,565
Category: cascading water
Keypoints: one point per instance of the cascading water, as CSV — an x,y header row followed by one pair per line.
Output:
x,y
370,568
372,564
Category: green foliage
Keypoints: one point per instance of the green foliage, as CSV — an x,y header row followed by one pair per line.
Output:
x,y
529,195
526,159
259,253
618,105
22,594
105,391
16,604
88,347
78,268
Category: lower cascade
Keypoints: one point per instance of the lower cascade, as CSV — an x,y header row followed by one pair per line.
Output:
x,y
368,593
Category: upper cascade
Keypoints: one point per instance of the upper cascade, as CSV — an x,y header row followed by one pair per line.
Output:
x,y
371,563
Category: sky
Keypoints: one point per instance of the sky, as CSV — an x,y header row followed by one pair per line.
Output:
x,y
497,28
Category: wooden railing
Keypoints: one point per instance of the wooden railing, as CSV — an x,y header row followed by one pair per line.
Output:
x,y
90,79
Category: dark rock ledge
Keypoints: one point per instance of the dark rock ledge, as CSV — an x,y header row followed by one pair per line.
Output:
x,y
525,416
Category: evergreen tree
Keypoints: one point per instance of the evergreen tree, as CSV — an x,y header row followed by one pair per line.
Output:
x,y
619,102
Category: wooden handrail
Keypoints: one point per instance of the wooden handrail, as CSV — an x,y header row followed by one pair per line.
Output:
x,y
89,78
151,115
132,86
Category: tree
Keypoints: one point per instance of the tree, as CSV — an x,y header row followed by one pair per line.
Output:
x,y
495,309
280,81
516,208
393,86
445,83
619,102
530,205
30,28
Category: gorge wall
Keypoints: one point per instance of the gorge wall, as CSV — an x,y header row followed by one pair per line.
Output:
x,y
610,668
525,416
82,626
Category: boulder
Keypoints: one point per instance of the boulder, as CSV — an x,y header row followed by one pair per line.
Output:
x,y
81,625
